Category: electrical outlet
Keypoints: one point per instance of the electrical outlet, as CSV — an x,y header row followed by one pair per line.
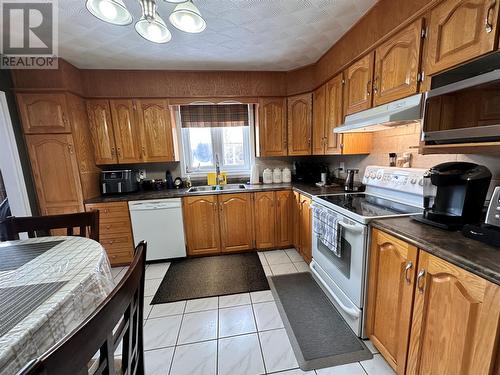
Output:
x,y
142,174
342,166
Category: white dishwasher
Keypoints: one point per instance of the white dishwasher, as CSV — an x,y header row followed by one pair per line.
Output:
x,y
159,222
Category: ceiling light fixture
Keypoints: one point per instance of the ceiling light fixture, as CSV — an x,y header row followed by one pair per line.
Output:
x,y
151,26
186,17
111,11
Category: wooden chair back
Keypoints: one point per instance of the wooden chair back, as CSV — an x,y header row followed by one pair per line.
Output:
x,y
36,226
118,319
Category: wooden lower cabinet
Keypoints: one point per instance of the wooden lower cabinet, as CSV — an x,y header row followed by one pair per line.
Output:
x,y
390,297
265,220
236,222
201,224
455,314
296,220
115,231
273,219
305,228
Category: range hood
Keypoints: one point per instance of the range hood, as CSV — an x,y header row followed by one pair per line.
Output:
x,y
401,112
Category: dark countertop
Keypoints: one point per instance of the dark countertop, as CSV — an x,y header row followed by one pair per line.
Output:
x,y
303,188
474,256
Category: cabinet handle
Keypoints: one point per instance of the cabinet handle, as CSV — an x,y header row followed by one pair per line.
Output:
x,y
408,267
70,148
375,89
65,119
368,87
488,26
420,277
113,151
119,151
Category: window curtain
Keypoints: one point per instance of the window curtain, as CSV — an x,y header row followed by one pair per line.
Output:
x,y
212,116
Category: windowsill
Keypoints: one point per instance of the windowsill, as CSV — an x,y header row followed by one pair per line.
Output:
x,y
200,175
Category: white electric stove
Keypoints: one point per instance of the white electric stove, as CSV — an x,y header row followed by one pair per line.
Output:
x,y
390,192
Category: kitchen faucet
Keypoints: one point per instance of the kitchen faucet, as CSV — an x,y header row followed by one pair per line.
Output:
x,y
217,170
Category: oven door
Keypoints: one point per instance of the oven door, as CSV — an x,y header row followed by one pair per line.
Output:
x,y
346,270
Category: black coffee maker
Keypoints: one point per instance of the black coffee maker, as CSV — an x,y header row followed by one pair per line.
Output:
x,y
454,194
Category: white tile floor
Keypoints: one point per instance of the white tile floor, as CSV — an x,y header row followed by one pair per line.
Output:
x,y
240,334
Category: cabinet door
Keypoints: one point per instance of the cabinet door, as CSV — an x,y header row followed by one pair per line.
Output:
x,y
299,124
55,173
201,224
318,128
272,127
356,143
126,131
156,130
358,85
284,218
306,228
265,220
334,116
455,318
101,128
397,64
391,283
236,222
296,221
44,113
460,30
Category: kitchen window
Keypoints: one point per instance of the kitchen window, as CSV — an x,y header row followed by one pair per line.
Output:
x,y
211,131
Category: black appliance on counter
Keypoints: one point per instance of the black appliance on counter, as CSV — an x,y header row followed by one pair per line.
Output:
x,y
454,194
119,182
489,231
308,171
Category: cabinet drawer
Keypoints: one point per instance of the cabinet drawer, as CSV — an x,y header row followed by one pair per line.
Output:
x,y
116,241
120,258
114,225
109,210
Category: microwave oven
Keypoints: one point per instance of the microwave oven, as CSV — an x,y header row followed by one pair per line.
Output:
x,y
464,111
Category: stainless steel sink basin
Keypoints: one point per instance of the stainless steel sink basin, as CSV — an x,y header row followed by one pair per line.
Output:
x,y
202,189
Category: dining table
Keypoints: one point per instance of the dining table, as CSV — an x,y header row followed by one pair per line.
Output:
x,y
48,286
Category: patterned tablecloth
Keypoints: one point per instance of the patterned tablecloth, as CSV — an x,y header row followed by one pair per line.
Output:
x,y
78,273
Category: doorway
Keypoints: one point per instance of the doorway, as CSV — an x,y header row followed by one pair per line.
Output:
x,y
12,184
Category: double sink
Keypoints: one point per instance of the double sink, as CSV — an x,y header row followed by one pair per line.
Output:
x,y
228,187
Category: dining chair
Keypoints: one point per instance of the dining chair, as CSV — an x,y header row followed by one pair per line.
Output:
x,y
36,226
91,347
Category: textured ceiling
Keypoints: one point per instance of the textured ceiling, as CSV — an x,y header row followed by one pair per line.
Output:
x,y
241,35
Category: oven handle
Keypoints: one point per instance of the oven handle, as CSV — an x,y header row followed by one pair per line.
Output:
x,y
352,228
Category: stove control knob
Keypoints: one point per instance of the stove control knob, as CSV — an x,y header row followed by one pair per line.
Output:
x,y
372,175
413,180
421,182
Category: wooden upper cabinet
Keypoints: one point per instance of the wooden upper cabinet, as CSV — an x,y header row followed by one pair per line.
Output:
x,y
236,222
299,124
44,113
156,130
265,220
125,129
391,283
284,218
55,173
272,136
334,113
455,319
460,30
319,121
358,85
397,65
201,224
101,129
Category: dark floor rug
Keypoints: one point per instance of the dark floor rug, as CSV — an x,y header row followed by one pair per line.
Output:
x,y
211,276
319,335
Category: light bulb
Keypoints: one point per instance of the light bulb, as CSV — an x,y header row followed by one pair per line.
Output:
x,y
186,17
108,10
154,31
